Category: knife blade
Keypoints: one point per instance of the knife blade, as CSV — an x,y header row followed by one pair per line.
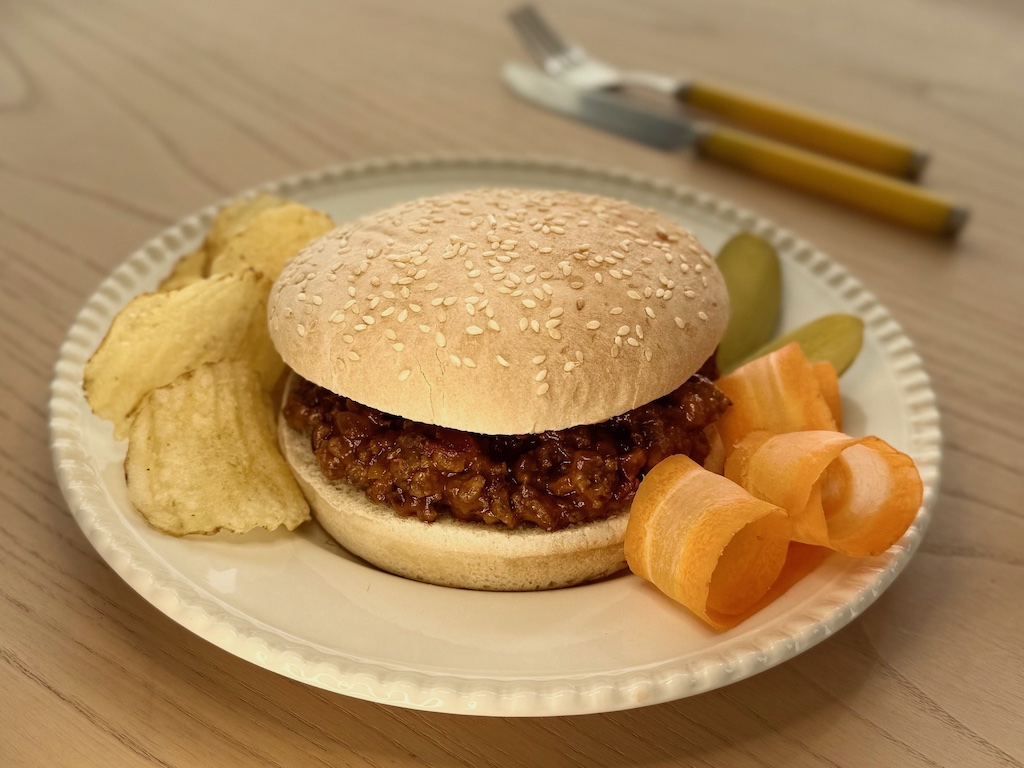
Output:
x,y
601,108
870,192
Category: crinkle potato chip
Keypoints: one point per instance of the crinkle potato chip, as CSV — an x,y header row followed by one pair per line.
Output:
x,y
234,217
159,336
188,269
203,456
271,239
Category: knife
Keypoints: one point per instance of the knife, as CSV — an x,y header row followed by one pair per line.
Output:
x,y
840,182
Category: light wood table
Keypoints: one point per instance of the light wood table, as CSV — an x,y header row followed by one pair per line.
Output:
x,y
117,118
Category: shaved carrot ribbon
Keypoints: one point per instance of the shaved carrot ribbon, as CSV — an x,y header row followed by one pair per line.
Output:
x,y
704,541
795,490
856,495
780,392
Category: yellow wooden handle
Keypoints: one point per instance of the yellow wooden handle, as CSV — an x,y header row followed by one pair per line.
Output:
x,y
873,193
852,144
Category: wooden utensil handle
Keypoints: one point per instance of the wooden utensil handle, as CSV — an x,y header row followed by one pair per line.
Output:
x,y
873,193
818,133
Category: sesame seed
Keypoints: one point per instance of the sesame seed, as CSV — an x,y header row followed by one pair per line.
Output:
x,y
456,360
301,329
539,359
301,296
593,325
556,312
502,360
449,300
353,355
599,277
430,287
702,315
352,291
632,342
523,323
337,317
493,325
368,319
649,312
554,333
404,375
469,362
689,293
398,346
648,355
633,295
529,303
360,326
318,300
535,326
538,293
679,322
568,366
473,330
440,339
425,328
639,332
623,330
387,312
615,351
542,375
615,311
553,323
348,338
403,315
577,284
543,388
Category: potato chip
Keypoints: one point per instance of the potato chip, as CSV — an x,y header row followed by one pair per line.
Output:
x,y
187,269
203,456
159,336
271,239
234,217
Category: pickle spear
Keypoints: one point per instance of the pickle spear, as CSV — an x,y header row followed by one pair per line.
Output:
x,y
836,339
753,276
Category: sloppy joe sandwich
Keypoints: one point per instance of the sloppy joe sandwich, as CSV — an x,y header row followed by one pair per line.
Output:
x,y
482,379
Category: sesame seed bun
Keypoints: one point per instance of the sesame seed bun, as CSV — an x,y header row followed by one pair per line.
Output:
x,y
501,311
495,311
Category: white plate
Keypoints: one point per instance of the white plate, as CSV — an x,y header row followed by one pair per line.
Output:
x,y
298,605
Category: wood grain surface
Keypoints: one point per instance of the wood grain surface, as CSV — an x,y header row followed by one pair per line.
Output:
x,y
117,118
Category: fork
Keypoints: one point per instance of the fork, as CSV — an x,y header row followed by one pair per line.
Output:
x,y
827,136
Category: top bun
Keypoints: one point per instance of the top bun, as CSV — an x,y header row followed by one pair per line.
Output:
x,y
501,311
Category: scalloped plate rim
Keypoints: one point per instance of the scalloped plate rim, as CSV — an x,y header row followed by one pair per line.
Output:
x,y
420,689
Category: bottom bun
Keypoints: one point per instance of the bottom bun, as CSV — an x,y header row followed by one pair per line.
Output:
x,y
450,552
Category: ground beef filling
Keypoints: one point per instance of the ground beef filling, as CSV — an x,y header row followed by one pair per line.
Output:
x,y
551,479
